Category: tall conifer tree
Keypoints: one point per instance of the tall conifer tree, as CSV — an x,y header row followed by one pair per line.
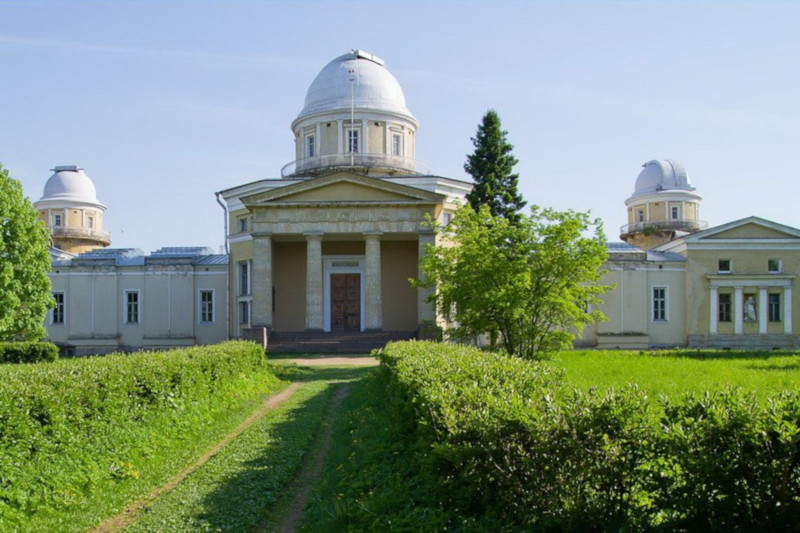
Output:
x,y
492,168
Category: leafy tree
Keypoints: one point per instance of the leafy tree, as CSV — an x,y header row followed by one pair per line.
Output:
x,y
529,281
492,169
24,264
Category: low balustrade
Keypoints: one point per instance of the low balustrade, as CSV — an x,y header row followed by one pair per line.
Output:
x,y
687,225
80,233
317,164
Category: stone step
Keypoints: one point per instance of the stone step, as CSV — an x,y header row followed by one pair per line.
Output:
x,y
333,342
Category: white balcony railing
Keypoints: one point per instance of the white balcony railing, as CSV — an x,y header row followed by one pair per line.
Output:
x,y
317,164
686,225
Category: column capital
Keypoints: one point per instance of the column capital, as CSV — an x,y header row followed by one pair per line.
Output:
x,y
313,235
372,234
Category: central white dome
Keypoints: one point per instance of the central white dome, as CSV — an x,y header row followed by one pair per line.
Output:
x,y
373,87
662,175
70,183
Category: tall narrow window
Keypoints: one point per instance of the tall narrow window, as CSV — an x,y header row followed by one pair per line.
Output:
x,y
244,278
311,148
58,309
397,144
675,212
56,220
244,312
131,307
774,307
206,306
724,307
640,215
352,141
90,222
659,303
242,224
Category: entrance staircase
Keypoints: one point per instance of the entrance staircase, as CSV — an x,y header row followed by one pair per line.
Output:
x,y
333,342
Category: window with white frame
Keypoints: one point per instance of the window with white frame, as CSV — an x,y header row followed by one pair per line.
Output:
x,y
57,220
352,141
59,311
724,266
675,211
244,278
397,144
640,215
131,307
206,306
774,266
774,307
90,222
724,307
311,145
242,224
660,303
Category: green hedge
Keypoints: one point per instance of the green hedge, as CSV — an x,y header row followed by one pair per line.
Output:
x,y
509,444
27,352
71,428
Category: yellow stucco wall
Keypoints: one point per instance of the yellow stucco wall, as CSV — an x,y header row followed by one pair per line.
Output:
x,y
377,137
344,191
289,281
330,138
750,231
398,264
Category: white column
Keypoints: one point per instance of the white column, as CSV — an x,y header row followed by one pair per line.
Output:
x,y
787,310
387,134
342,140
762,311
426,311
314,296
738,310
372,283
318,139
261,281
713,315
365,134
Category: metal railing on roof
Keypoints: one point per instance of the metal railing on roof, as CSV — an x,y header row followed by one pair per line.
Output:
x,y
682,224
80,233
315,165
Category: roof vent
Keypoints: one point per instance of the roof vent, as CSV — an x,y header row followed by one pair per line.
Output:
x,y
369,57
67,168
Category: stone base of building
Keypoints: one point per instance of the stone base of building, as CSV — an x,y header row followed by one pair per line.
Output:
x,y
630,341
745,342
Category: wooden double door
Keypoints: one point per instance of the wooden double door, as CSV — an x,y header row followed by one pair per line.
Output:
x,y
345,302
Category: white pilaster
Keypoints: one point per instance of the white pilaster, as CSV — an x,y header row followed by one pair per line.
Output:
x,y
387,135
762,310
738,310
314,295
365,135
372,283
787,310
261,281
713,315
342,141
318,139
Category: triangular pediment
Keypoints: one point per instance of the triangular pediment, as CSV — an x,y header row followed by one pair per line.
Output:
x,y
752,228
342,188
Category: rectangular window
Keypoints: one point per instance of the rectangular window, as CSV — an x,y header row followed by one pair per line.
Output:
x,y
397,144
774,307
774,266
242,225
56,220
311,142
244,278
58,309
640,215
724,266
206,306
675,212
90,222
131,307
659,303
352,141
446,217
244,312
724,305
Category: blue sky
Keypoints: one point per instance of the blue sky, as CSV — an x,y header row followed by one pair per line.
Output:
x,y
164,103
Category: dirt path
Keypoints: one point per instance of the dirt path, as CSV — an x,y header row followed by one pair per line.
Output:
x,y
303,484
126,517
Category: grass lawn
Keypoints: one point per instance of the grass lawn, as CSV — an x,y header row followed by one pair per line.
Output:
x,y
676,372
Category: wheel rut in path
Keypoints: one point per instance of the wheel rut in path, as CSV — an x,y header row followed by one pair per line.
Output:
x,y
309,474
128,515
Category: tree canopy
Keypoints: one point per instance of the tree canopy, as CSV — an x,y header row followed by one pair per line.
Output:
x,y
24,264
532,281
492,168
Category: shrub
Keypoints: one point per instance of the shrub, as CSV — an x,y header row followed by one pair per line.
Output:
x,y
506,442
27,352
